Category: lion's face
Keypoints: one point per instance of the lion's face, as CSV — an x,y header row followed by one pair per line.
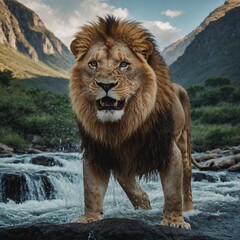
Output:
x,y
112,80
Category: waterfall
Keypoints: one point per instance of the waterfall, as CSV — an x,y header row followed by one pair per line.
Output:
x,y
48,177
48,188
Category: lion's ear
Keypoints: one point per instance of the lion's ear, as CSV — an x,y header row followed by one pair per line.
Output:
x,y
73,47
145,48
77,49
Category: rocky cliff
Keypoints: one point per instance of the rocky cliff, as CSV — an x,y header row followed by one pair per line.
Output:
x,y
22,30
175,50
213,52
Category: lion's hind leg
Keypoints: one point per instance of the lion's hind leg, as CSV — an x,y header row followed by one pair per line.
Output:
x,y
172,180
135,193
183,145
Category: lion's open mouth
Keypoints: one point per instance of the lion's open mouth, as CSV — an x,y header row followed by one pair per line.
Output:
x,y
108,103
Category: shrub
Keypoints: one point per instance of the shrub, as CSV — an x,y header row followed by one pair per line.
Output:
x,y
13,139
220,114
37,112
6,77
211,136
217,82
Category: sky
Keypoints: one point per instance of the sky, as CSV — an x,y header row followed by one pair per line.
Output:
x,y
167,20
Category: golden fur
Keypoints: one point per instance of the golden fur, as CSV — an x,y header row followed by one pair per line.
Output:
x,y
149,131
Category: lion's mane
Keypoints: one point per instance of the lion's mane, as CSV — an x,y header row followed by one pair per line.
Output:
x,y
134,145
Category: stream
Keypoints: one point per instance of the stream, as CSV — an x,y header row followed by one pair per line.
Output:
x,y
32,193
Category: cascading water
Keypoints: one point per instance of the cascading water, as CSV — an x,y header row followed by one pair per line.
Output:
x,y
31,192
49,188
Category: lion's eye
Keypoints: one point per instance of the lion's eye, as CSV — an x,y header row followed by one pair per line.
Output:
x,y
124,65
93,64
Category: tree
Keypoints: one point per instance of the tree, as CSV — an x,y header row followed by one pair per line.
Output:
x,y
217,82
6,76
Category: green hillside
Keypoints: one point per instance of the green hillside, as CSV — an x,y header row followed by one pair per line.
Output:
x,y
214,52
33,74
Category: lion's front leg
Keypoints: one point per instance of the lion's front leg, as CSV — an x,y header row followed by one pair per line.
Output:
x,y
171,179
95,186
135,193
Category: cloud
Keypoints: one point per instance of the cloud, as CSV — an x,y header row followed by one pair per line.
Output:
x,y
65,20
172,13
164,32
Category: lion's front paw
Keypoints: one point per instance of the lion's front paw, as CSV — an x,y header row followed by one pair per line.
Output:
x,y
176,222
88,218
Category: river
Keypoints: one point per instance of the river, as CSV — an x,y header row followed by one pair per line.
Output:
x,y
31,194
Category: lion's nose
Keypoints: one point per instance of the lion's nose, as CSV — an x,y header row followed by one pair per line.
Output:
x,y
107,86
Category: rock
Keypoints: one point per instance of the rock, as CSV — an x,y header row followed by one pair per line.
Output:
x,y
225,162
235,150
45,161
6,155
206,156
200,176
13,187
220,163
106,229
47,187
235,168
214,151
237,158
4,149
225,153
20,187
20,151
33,150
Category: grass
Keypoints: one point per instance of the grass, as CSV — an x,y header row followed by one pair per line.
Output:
x,y
223,113
23,67
209,136
12,138
33,74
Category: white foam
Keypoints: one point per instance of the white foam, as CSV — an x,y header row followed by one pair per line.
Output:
x,y
70,201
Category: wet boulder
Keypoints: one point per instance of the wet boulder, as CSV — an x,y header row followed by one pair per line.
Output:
x,y
33,151
220,163
235,150
45,161
202,157
201,176
107,229
235,168
20,187
237,158
48,188
4,149
13,187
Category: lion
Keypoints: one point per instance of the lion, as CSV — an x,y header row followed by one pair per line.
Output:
x,y
133,121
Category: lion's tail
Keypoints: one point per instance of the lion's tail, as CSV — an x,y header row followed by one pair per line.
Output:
x,y
188,128
196,164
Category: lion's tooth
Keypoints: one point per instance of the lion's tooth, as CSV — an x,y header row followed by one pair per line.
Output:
x,y
101,102
115,103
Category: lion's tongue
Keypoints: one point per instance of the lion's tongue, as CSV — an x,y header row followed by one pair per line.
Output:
x,y
108,102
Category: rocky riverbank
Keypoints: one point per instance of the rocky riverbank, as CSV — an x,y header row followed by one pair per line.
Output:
x,y
9,151
220,159
216,159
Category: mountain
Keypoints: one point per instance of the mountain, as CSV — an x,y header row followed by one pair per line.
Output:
x,y
175,50
215,51
30,50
